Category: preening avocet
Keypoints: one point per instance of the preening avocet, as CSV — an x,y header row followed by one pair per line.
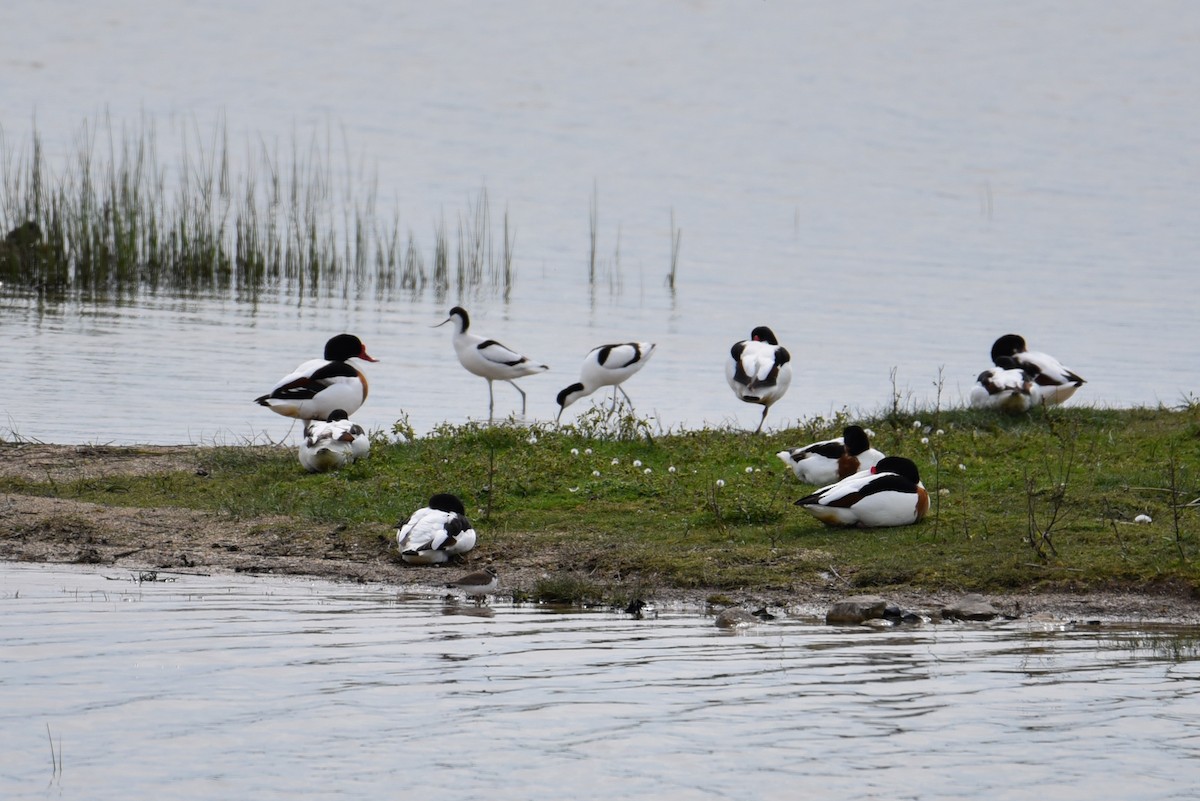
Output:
x,y
1052,383
477,584
333,443
889,494
607,365
759,370
488,358
435,533
1006,387
318,387
830,460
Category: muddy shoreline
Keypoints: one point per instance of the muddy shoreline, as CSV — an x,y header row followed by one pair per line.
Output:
x,y
64,531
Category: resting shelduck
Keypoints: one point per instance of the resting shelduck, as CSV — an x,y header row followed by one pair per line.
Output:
x,y
318,387
759,370
332,443
889,494
830,460
607,366
435,533
1052,383
1005,387
488,358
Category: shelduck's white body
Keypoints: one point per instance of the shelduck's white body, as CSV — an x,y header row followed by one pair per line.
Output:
x,y
318,387
889,494
759,370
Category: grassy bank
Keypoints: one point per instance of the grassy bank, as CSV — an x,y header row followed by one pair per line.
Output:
x,y
1037,502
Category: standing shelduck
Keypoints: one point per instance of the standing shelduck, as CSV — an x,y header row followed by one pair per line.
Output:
x,y
1052,383
759,370
333,443
607,365
435,533
830,460
889,494
318,387
488,358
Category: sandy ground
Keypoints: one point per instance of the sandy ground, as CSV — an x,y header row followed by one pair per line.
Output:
x,y
55,530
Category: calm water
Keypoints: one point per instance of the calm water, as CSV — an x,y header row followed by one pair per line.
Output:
x,y
276,688
887,186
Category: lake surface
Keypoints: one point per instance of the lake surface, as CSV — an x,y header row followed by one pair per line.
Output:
x,y
888,187
235,686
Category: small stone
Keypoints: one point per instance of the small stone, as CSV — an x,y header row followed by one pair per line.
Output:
x,y
735,618
855,609
970,607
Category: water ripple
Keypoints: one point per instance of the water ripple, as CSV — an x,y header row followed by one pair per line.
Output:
x,y
277,686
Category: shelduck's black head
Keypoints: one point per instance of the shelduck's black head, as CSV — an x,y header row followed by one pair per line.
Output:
x,y
445,502
1007,345
898,465
764,334
337,414
346,346
856,440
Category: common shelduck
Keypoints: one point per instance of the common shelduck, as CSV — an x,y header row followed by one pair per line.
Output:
x,y
1052,383
478,584
607,365
889,494
318,387
1005,387
759,370
830,460
435,533
488,358
332,443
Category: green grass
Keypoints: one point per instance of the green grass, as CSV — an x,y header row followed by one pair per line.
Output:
x,y
1043,501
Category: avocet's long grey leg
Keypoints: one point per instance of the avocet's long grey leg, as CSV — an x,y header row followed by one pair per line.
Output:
x,y
518,389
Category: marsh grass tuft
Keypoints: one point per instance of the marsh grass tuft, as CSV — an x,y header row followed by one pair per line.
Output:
x,y
113,220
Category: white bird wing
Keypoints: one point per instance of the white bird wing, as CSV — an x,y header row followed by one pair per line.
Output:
x,y
623,356
494,352
831,494
996,380
1047,368
758,360
318,431
425,530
